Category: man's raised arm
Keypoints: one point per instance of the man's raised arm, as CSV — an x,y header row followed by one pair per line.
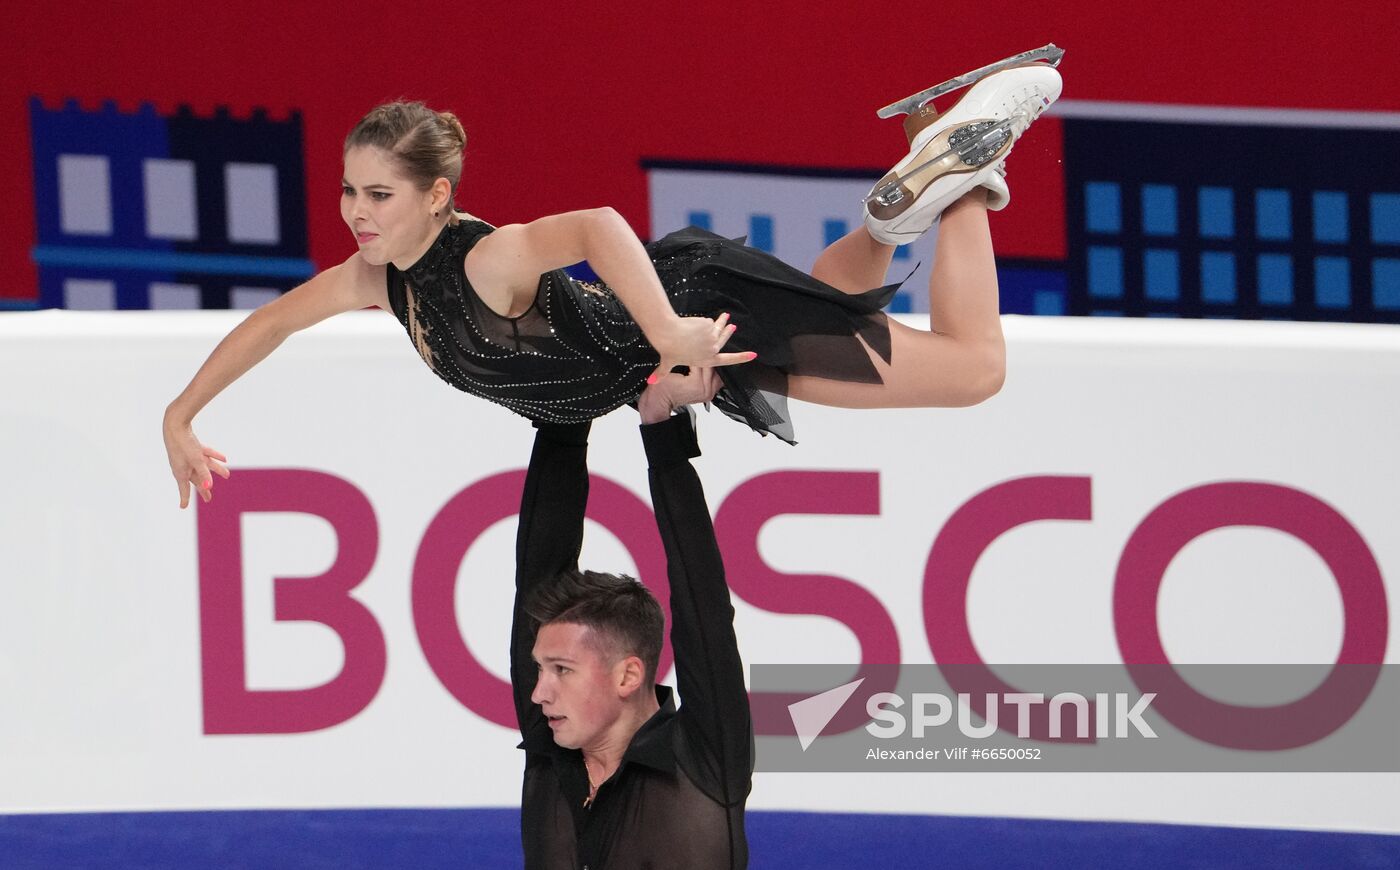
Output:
x,y
709,672
548,541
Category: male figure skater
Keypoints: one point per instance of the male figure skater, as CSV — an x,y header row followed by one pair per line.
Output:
x,y
616,776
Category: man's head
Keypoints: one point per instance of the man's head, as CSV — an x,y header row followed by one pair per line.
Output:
x,y
597,649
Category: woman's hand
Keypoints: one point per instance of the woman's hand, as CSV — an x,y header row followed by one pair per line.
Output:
x,y
192,462
695,342
675,390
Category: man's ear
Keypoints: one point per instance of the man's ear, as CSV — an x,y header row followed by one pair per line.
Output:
x,y
631,674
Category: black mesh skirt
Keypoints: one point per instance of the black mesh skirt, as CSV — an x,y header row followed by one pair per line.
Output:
x,y
796,324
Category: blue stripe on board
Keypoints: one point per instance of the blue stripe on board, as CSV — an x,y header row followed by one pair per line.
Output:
x,y
172,261
490,838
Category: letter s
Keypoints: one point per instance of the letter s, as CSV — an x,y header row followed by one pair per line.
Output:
x,y
875,708
737,525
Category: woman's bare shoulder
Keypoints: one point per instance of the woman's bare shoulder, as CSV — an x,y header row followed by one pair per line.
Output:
x,y
517,254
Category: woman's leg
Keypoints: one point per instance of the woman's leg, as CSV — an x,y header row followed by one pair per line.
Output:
x,y
962,359
854,263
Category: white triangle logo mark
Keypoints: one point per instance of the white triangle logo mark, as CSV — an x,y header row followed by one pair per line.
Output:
x,y
811,715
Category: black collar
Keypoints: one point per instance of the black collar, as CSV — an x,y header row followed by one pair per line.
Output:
x,y
650,746
421,272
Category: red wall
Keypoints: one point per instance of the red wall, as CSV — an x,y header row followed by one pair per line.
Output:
x,y
560,101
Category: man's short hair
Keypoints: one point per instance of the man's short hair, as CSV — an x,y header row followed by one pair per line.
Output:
x,y
622,612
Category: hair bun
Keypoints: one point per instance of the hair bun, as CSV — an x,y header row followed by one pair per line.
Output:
x,y
455,126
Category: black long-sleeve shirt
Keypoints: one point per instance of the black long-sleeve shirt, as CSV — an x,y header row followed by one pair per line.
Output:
x,y
677,799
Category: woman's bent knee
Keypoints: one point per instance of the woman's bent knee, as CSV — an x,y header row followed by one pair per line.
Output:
x,y
985,374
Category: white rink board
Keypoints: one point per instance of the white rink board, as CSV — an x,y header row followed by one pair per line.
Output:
x,y
99,586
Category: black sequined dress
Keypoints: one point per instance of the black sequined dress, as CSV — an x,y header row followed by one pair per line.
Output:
x,y
576,353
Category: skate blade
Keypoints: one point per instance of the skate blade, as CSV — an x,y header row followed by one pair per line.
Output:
x,y
1050,54
970,147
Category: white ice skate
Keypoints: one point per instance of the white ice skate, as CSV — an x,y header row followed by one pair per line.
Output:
x,y
962,148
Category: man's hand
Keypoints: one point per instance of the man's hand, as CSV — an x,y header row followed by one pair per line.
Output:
x,y
675,391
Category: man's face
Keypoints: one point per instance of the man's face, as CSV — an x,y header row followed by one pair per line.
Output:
x,y
578,689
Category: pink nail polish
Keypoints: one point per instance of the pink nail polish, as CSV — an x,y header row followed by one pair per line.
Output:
x,y
208,484
753,355
651,379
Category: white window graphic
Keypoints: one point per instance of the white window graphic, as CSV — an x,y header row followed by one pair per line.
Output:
x,y
252,203
251,297
174,297
85,294
170,199
84,195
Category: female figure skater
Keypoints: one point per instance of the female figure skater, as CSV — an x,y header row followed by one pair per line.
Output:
x,y
492,313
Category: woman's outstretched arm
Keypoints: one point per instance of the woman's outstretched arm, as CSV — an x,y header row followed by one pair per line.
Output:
x,y
516,255
350,286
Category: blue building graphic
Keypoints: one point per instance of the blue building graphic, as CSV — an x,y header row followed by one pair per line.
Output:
x,y
1233,220
139,210
1244,214
1163,217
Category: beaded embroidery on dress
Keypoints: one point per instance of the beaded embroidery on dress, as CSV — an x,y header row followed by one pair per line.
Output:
x,y
572,356
576,353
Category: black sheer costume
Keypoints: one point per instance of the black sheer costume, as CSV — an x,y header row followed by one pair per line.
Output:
x,y
577,354
677,799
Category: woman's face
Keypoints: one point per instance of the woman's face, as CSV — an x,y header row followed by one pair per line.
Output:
x,y
391,218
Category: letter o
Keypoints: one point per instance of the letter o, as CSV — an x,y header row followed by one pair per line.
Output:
x,y
1190,514
445,544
